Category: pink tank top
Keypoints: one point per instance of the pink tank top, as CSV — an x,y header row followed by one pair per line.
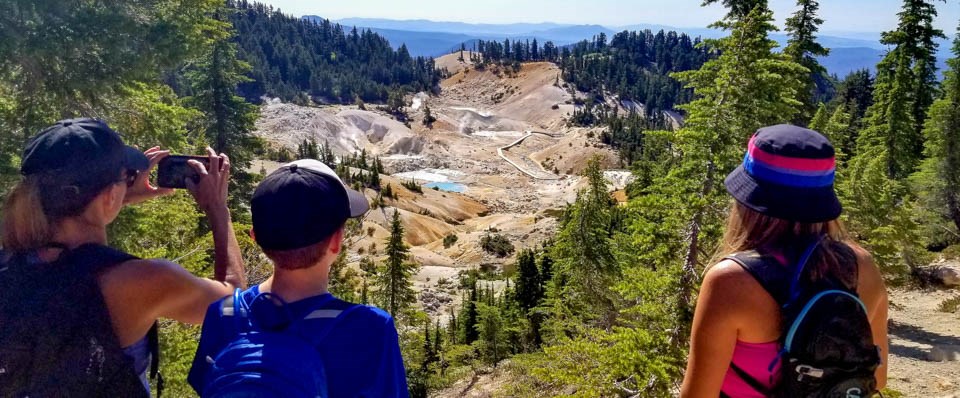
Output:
x,y
755,360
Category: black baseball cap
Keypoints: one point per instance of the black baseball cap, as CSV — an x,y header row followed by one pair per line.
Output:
x,y
302,203
76,159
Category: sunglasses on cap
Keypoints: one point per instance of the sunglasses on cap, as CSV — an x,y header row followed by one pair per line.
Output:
x,y
130,177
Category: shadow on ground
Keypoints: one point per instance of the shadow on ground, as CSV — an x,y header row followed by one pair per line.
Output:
x,y
917,335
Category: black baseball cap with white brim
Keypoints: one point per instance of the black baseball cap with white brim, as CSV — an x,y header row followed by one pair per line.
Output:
x,y
302,203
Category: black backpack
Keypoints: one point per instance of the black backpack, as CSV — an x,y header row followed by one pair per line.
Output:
x,y
56,338
827,345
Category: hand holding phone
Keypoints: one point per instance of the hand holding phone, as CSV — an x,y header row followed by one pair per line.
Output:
x,y
174,170
142,190
206,177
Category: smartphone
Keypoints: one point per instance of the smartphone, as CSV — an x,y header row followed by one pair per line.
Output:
x,y
173,171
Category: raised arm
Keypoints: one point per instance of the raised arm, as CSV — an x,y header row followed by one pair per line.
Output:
x,y
211,195
140,291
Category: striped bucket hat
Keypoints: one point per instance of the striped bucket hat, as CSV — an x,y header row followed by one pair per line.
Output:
x,y
787,173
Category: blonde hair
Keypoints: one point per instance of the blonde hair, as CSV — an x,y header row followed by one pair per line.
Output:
x,y
748,229
25,225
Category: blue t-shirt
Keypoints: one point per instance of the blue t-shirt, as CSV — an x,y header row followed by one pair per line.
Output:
x,y
361,354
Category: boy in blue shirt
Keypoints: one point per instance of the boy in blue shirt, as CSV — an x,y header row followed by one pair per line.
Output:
x,y
298,214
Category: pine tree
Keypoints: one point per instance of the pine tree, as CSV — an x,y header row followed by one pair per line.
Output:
x,y
528,291
437,339
905,89
888,150
803,49
453,328
69,59
939,177
428,118
738,9
491,333
394,281
388,192
468,316
546,269
674,226
856,91
429,355
839,129
327,156
308,149
747,87
375,177
228,119
917,36
583,252
819,120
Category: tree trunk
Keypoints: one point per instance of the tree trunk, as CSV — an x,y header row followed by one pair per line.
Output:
x,y
953,207
688,275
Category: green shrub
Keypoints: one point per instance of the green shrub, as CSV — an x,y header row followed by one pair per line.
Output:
x,y
449,240
413,186
952,252
496,244
950,305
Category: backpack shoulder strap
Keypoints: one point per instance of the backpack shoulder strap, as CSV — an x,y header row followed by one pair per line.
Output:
x,y
337,316
92,259
236,308
782,282
773,276
755,384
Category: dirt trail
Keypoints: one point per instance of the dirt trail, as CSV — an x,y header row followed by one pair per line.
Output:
x,y
918,332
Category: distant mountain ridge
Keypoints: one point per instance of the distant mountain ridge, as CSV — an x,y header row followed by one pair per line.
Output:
x,y
423,25
850,50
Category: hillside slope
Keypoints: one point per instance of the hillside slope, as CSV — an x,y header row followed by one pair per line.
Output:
x,y
493,127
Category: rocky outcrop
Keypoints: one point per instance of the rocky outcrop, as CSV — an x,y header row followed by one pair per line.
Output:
x,y
943,274
948,276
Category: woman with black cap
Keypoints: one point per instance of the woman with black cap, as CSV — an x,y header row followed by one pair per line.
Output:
x,y
785,207
75,314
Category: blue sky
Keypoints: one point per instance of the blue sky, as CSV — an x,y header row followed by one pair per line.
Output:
x,y
840,15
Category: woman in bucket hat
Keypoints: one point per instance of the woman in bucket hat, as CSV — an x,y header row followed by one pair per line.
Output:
x,y
784,200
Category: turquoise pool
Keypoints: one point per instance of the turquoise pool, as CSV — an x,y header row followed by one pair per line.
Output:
x,y
447,186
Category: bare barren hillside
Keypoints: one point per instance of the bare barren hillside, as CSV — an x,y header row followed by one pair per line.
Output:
x,y
499,155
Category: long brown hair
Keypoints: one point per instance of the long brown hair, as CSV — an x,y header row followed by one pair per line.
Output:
x,y
38,203
750,230
25,225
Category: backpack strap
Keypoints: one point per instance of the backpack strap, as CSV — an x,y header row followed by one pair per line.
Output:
x,y
337,315
772,276
781,282
752,382
236,307
93,259
801,266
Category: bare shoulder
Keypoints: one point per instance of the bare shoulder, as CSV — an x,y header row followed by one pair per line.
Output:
x,y
729,280
731,297
726,273
147,272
